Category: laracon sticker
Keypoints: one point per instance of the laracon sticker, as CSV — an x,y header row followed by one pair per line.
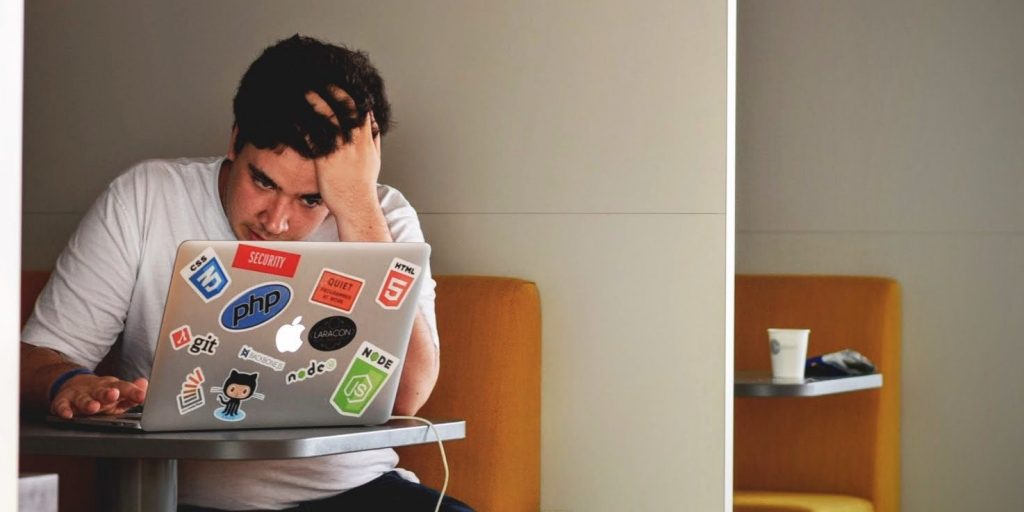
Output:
x,y
250,354
401,276
204,345
332,333
238,387
367,373
181,337
268,261
255,306
314,369
206,275
336,290
191,396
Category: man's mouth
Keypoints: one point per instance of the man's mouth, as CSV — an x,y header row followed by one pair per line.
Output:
x,y
253,235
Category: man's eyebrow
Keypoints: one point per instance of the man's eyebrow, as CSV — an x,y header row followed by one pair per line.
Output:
x,y
260,175
311,197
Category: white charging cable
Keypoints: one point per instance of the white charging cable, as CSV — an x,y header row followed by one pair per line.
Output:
x,y
444,459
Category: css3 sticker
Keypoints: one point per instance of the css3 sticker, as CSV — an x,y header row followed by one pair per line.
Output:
x,y
367,373
401,276
255,306
206,275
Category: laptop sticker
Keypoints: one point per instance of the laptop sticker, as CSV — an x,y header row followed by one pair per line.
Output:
x,y
250,354
204,345
268,261
238,387
315,368
401,276
367,373
181,337
332,333
289,336
206,275
255,306
337,290
191,396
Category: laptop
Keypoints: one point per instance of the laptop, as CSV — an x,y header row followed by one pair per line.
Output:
x,y
280,334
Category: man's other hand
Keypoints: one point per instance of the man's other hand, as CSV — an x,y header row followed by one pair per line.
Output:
x,y
86,395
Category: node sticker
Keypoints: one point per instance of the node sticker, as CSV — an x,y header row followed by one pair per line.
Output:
x,y
238,387
181,337
250,354
401,276
268,261
206,275
191,396
336,290
315,368
367,373
332,333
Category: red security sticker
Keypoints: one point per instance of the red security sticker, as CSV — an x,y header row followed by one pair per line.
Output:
x,y
181,337
265,260
401,276
336,290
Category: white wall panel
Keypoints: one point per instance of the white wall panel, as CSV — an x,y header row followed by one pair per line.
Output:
x,y
634,373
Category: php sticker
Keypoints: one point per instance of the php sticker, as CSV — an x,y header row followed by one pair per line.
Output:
x,y
364,378
332,333
250,354
206,275
181,337
191,396
238,387
264,260
336,290
314,369
401,276
255,306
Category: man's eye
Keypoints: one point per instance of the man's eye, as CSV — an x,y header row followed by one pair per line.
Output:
x,y
262,182
311,202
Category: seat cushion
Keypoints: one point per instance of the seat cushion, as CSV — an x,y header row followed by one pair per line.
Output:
x,y
753,501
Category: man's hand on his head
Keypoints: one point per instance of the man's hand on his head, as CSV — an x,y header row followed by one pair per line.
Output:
x,y
86,395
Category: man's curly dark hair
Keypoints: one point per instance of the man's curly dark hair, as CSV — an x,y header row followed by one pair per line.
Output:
x,y
271,107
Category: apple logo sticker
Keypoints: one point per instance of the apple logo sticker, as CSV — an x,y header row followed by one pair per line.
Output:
x,y
289,336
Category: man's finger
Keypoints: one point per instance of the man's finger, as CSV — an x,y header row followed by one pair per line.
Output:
x,y
106,395
62,408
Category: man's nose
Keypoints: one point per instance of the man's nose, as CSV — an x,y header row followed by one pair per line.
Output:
x,y
275,218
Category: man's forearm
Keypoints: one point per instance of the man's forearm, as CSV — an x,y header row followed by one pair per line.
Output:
x,y
40,367
419,373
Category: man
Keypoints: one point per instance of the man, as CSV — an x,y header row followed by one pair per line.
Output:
x,y
302,164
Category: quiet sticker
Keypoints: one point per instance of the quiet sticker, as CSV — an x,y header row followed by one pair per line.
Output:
x,y
401,276
206,275
336,290
367,373
181,337
268,261
191,396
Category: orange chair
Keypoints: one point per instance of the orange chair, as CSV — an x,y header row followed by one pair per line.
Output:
x,y
490,376
838,453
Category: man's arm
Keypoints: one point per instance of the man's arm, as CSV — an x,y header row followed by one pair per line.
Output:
x,y
81,395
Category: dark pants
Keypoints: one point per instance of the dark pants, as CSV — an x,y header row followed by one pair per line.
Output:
x,y
387,493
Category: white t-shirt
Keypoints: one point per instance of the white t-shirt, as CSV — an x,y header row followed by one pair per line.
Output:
x,y
111,283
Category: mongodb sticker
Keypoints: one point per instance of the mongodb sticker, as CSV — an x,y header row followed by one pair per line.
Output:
x,y
367,373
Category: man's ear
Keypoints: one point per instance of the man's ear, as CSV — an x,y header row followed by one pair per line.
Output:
x,y
231,146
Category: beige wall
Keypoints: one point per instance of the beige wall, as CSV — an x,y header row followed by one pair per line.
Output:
x,y
884,138
11,17
581,144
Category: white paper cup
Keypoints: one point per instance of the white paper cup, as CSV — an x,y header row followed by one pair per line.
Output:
x,y
789,352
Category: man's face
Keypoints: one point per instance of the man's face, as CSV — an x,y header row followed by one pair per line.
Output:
x,y
270,194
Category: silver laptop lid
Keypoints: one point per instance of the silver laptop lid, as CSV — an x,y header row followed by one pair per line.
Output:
x,y
283,334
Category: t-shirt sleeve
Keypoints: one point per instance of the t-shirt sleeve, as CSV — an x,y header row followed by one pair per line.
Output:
x,y
404,225
81,310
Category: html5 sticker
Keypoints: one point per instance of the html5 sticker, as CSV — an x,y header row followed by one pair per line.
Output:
x,y
181,337
336,290
206,275
397,283
268,261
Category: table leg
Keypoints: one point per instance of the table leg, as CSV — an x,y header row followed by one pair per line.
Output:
x,y
138,485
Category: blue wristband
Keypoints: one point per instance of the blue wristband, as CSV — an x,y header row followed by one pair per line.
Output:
x,y
66,376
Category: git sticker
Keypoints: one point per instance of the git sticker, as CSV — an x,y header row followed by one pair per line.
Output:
x,y
191,396
398,282
336,290
181,337
206,275
367,373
